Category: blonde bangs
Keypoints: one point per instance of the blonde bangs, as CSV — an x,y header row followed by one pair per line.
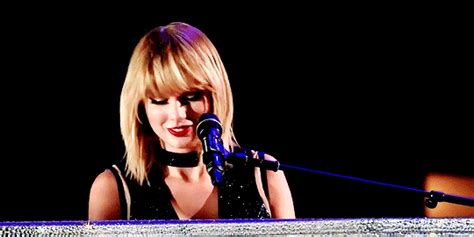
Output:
x,y
177,72
167,62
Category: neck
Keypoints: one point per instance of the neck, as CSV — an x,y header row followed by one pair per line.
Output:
x,y
189,174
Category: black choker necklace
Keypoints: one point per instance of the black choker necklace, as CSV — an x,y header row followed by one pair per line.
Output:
x,y
190,159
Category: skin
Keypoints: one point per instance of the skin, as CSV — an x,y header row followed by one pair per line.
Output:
x,y
178,114
169,59
194,196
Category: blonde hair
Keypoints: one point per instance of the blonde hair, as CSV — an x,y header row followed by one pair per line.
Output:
x,y
170,59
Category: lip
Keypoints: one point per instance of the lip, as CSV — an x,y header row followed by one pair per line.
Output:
x,y
180,131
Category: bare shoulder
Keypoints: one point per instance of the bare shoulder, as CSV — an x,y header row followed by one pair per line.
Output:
x,y
104,178
271,174
269,157
281,201
104,202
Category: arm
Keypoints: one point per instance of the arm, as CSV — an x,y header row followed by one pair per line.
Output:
x,y
104,202
281,201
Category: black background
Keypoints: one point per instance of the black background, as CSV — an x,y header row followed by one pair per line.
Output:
x,y
380,94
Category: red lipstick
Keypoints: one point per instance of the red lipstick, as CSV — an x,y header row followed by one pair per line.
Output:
x,y
180,131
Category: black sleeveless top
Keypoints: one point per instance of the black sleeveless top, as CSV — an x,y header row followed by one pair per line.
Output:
x,y
238,196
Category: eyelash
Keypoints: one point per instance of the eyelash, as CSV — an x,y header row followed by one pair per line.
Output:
x,y
158,102
195,96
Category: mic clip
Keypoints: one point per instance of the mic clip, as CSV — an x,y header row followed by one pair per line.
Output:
x,y
246,158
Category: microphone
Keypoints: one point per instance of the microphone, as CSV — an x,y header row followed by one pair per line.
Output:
x,y
209,130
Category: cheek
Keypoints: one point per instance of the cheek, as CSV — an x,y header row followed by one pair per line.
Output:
x,y
206,104
199,108
155,117
195,110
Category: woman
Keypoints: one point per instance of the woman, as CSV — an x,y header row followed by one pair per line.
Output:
x,y
175,75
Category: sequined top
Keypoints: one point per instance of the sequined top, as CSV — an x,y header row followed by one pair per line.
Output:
x,y
238,196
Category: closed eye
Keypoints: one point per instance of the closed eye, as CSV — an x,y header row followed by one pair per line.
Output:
x,y
194,96
158,102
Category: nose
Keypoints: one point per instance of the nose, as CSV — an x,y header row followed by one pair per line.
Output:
x,y
177,110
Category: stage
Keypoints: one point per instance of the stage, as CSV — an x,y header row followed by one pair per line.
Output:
x,y
358,226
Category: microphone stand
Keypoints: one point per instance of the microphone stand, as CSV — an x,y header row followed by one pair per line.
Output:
x,y
432,198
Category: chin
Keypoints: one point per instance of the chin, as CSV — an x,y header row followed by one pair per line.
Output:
x,y
182,148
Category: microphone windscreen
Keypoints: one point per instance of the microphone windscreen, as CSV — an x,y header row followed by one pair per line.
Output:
x,y
206,123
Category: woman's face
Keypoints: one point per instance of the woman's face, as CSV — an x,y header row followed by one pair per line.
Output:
x,y
174,119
